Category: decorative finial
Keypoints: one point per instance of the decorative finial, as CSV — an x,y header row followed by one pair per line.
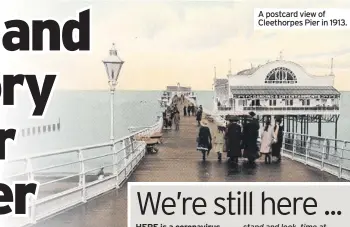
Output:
x,y
113,50
214,72
230,68
332,67
281,55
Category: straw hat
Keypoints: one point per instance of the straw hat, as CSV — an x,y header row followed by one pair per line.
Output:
x,y
222,124
204,122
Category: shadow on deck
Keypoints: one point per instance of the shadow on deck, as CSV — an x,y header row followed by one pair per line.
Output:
x,y
178,161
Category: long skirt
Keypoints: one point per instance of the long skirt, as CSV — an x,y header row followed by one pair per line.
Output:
x,y
202,147
276,149
265,148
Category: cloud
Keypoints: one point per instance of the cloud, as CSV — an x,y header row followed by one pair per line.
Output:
x,y
165,42
329,54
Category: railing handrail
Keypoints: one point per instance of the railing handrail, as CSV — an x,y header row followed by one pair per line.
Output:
x,y
77,148
318,137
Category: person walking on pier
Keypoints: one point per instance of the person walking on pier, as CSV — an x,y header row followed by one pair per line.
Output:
x,y
189,110
165,120
185,111
267,138
250,138
234,138
277,145
199,116
177,120
204,139
219,141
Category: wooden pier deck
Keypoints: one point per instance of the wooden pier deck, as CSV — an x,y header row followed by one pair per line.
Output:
x,y
178,161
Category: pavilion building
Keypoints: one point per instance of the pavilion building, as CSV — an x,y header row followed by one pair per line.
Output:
x,y
281,88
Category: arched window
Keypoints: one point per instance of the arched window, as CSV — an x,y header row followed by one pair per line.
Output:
x,y
281,75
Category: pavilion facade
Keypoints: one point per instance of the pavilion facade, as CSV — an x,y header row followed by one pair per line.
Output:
x,y
281,88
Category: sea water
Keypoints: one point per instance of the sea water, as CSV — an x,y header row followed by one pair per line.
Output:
x,y
84,118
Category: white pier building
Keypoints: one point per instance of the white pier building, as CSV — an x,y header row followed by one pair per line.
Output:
x,y
178,91
281,88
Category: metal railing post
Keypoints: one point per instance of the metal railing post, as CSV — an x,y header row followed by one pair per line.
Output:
x,y
115,165
284,142
29,170
294,145
130,147
323,153
82,180
341,160
125,158
308,146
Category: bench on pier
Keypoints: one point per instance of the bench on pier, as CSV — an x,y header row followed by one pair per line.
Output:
x,y
150,143
158,136
209,118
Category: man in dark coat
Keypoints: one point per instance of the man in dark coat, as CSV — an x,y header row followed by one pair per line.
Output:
x,y
277,146
234,137
250,138
199,116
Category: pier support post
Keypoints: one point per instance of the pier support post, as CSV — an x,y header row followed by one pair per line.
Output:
x,y
336,132
113,151
319,125
112,115
302,131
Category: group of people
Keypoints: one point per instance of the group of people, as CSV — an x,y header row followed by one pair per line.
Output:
x,y
192,110
242,141
171,115
189,110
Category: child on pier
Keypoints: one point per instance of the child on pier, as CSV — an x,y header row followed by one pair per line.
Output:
x,y
219,141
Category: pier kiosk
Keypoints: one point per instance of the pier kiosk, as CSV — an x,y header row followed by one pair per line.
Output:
x,y
282,88
176,91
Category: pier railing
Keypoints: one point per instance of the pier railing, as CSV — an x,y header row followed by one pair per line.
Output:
x,y
329,155
280,110
72,176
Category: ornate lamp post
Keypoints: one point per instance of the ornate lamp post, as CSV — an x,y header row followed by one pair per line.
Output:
x,y
113,65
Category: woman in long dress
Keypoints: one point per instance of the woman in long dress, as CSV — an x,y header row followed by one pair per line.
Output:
x,y
267,138
204,139
177,120
219,141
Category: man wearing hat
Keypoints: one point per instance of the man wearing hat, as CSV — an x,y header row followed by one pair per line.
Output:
x,y
250,138
199,116
277,145
234,137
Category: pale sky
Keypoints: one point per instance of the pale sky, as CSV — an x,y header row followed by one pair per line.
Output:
x,y
165,42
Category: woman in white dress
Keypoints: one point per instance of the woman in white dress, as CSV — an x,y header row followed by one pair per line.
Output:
x,y
267,138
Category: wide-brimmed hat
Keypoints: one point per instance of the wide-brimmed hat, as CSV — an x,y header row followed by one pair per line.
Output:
x,y
204,122
278,118
232,118
221,124
235,119
252,114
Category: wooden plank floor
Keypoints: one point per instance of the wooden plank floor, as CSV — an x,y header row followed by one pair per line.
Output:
x,y
178,161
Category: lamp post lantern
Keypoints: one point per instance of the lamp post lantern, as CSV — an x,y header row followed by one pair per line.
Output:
x,y
113,65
